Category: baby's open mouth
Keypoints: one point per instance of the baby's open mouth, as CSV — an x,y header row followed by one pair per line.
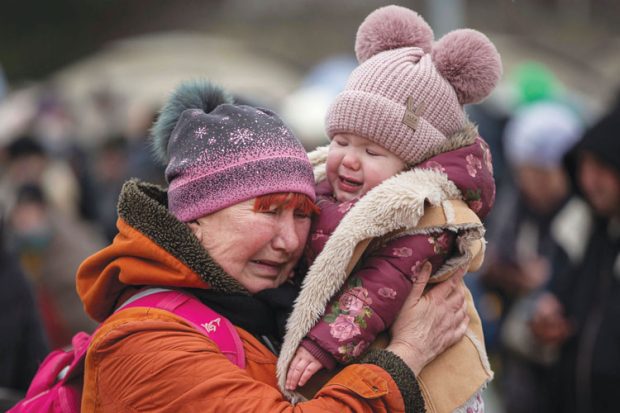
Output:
x,y
350,181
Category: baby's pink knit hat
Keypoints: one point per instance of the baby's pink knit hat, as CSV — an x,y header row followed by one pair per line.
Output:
x,y
408,92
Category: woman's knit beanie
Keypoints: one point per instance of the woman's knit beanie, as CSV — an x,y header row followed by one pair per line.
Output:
x,y
408,92
219,154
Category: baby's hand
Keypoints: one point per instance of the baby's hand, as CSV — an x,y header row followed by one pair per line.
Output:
x,y
303,366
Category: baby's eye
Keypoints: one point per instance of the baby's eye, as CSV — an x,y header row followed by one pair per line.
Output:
x,y
372,152
341,143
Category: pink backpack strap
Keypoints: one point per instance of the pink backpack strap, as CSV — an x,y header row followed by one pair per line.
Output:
x,y
200,316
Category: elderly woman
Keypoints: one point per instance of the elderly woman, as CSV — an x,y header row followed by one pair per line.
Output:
x,y
230,230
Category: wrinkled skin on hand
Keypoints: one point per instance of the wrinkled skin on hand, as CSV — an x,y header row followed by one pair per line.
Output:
x,y
430,321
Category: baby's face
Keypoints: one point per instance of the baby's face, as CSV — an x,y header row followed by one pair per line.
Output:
x,y
355,165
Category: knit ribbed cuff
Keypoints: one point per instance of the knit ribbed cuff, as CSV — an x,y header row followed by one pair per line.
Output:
x,y
402,375
324,357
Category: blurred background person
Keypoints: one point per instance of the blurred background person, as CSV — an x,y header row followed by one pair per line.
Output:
x,y
50,246
23,345
111,167
581,313
53,127
525,245
529,84
140,161
28,162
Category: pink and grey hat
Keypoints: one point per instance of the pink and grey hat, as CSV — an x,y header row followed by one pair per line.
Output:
x,y
219,154
408,92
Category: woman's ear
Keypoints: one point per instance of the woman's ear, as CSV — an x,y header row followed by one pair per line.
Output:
x,y
194,227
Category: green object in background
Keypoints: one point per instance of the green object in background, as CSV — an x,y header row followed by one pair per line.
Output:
x,y
535,82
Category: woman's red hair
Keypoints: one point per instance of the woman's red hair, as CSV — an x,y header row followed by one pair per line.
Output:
x,y
286,200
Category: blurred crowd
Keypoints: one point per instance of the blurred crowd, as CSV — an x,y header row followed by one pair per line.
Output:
x,y
57,206
549,290
548,293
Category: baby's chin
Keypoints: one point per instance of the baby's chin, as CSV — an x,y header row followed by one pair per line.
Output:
x,y
342,196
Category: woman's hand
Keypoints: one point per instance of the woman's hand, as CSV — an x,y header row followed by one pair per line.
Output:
x,y
430,323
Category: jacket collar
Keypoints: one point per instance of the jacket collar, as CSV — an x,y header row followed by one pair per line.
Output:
x,y
144,207
152,248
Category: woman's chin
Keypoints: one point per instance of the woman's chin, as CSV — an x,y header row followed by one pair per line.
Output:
x,y
259,281
258,286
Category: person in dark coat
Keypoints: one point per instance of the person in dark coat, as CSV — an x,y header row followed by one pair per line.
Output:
x,y
23,345
528,242
581,315
50,246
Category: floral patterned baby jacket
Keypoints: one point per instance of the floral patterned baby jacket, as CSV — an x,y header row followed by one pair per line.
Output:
x,y
369,253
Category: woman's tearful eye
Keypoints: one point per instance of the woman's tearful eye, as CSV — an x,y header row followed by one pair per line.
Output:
x,y
301,214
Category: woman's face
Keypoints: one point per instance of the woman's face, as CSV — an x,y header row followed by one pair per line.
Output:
x,y
258,249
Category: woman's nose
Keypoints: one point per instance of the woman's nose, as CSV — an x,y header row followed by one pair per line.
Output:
x,y
287,239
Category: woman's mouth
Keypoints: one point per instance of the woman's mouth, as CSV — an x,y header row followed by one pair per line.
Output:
x,y
269,267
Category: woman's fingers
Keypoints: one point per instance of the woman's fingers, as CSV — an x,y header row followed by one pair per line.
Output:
x,y
449,297
427,325
462,313
461,329
417,291
446,289
456,326
419,283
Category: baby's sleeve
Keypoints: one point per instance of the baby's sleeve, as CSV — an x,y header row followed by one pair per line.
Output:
x,y
375,292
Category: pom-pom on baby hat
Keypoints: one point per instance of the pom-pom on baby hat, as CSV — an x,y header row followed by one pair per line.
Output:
x,y
408,92
219,154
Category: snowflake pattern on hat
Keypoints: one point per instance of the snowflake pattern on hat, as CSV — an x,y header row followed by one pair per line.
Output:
x,y
229,155
200,132
241,136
